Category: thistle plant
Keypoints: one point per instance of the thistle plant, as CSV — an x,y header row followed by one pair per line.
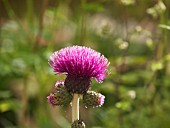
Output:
x,y
80,64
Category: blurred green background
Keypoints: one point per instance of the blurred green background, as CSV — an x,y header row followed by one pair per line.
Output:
x,y
133,34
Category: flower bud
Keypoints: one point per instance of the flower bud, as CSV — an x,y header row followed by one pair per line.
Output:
x,y
78,124
61,96
93,99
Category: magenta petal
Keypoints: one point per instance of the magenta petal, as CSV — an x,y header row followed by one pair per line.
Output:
x,y
51,100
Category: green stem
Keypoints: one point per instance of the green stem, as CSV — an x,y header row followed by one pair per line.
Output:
x,y
75,107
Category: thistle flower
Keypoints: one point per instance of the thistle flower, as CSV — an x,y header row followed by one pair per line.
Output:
x,y
61,96
93,99
80,65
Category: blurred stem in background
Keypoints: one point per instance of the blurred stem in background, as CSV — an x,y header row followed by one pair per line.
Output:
x,y
23,113
40,28
30,12
122,66
9,9
83,23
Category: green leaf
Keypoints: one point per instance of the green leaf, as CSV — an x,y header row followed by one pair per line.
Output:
x,y
164,26
93,7
157,66
157,9
7,105
128,2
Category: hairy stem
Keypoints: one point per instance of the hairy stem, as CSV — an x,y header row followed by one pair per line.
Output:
x,y
75,107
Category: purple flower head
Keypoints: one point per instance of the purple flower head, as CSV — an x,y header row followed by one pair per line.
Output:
x,y
80,65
